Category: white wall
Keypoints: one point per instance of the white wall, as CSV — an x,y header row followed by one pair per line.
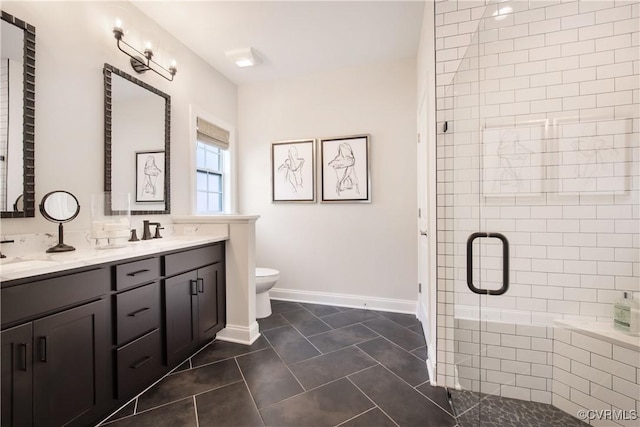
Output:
x,y
356,249
73,41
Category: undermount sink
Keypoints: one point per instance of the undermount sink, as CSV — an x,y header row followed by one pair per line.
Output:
x,y
22,265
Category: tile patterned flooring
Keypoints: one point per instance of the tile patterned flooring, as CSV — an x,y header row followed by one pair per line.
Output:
x,y
497,411
314,365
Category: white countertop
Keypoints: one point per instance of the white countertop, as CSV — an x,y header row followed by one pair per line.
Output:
x,y
38,263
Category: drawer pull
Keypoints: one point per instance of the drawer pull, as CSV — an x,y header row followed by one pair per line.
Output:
x,y
135,273
138,312
201,285
43,349
140,362
194,287
23,356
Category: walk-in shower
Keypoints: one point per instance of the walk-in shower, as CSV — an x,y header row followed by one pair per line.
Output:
x,y
538,191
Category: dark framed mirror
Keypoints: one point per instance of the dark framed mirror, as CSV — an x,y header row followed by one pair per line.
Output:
x,y
137,128
17,121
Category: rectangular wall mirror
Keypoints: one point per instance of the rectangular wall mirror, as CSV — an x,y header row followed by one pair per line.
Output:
x,y
17,117
137,143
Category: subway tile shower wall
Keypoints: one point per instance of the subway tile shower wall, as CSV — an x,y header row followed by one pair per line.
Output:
x,y
560,79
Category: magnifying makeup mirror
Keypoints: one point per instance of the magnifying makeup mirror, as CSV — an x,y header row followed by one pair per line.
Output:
x,y
60,206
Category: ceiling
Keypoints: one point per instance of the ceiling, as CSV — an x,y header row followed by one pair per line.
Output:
x,y
292,38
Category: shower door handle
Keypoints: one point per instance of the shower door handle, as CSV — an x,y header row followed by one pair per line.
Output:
x,y
505,264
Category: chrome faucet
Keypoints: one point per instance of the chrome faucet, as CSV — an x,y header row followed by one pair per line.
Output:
x,y
5,241
146,232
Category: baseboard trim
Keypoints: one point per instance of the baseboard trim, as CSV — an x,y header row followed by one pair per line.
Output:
x,y
344,300
239,334
431,353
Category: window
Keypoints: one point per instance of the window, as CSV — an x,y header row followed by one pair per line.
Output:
x,y
209,178
212,168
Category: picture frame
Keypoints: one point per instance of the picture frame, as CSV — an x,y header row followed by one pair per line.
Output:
x,y
345,170
293,171
150,176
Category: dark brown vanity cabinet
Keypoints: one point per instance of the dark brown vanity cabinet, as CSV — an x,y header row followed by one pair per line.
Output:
x,y
138,354
76,345
194,300
17,376
54,367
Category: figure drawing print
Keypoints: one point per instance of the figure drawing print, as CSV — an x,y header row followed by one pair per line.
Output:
x,y
292,171
344,166
150,176
345,169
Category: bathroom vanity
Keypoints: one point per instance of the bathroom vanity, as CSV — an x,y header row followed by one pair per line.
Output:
x,y
84,333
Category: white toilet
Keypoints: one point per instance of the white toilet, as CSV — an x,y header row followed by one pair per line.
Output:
x,y
265,279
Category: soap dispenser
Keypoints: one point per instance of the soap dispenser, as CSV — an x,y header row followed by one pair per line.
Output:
x,y
622,313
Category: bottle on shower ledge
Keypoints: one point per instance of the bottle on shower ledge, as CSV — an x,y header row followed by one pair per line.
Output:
x,y
622,313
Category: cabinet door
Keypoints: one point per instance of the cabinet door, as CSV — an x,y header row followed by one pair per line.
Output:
x,y
70,365
181,305
16,376
210,284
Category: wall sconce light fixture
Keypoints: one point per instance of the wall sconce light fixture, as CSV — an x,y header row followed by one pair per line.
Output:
x,y
142,61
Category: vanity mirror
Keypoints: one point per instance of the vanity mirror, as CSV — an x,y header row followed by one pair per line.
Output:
x,y
137,143
17,107
60,206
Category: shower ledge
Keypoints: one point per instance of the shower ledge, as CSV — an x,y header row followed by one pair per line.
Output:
x,y
604,331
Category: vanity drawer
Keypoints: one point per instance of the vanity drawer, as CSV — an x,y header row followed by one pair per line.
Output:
x,y
192,259
139,364
137,272
42,296
137,312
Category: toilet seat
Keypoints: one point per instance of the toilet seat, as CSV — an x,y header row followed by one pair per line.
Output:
x,y
265,272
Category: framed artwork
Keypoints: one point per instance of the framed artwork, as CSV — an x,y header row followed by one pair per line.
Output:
x,y
513,159
150,176
345,169
293,171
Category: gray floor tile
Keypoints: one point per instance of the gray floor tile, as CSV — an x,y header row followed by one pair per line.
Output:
x,y
421,352
400,401
284,306
319,309
274,321
183,367
290,344
305,322
123,412
343,337
267,377
372,418
400,362
345,318
402,319
396,333
417,328
438,395
188,383
229,406
177,414
328,405
220,350
329,367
